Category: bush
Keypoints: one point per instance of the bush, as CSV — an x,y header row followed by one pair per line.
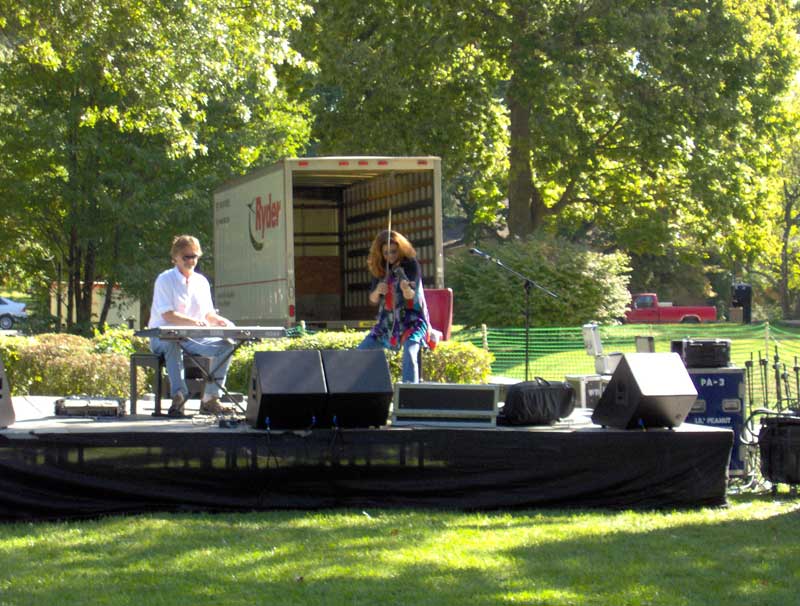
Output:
x,y
118,340
449,362
88,374
456,362
10,348
590,286
64,364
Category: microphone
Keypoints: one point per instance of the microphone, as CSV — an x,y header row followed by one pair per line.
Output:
x,y
480,253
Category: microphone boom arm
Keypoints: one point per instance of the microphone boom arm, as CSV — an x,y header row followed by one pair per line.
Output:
x,y
527,282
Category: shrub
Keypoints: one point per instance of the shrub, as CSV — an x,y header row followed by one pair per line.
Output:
x,y
457,362
590,286
41,359
450,362
63,364
87,374
117,340
10,348
54,344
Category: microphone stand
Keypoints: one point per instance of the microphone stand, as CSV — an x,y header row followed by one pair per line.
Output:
x,y
527,285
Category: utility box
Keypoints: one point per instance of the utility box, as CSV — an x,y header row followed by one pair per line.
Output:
x,y
291,240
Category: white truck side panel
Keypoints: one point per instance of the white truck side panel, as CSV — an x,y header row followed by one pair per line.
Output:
x,y
252,220
342,203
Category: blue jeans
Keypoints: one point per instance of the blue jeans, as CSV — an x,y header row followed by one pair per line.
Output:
x,y
410,372
216,349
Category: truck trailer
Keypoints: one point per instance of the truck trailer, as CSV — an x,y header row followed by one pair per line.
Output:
x,y
291,240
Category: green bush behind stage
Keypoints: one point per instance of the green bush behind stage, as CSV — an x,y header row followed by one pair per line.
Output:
x,y
59,364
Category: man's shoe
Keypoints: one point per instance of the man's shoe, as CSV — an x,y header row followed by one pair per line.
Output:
x,y
212,406
176,410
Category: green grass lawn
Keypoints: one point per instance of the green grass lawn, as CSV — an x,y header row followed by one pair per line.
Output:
x,y
557,352
746,553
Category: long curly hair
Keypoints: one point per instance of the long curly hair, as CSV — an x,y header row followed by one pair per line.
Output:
x,y
375,261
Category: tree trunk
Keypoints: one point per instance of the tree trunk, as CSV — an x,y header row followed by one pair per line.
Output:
x,y
789,221
110,284
71,281
85,307
107,299
59,297
783,283
520,177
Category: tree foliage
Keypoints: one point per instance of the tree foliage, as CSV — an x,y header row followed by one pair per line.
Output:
x,y
399,77
637,125
119,118
774,273
647,126
608,98
590,286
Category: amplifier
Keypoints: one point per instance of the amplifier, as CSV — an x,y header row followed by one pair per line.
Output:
x,y
721,403
84,406
779,447
445,405
703,353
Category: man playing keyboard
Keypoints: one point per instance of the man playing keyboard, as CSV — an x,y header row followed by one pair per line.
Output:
x,y
182,297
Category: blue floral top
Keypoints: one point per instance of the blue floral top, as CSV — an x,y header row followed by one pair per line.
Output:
x,y
401,319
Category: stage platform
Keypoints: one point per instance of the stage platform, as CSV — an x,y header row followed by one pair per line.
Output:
x,y
72,467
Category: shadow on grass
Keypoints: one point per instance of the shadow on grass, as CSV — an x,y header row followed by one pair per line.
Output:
x,y
417,557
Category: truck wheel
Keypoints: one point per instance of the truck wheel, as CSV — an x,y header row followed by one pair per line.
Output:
x,y
6,322
690,320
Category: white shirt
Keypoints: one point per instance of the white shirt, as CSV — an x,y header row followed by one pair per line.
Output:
x,y
175,292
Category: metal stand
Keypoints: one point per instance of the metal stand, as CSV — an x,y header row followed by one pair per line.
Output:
x,y
208,375
527,284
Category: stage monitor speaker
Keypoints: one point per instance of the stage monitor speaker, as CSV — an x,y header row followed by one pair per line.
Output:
x,y
287,390
646,390
7,416
359,387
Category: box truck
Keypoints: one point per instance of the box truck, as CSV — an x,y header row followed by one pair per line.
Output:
x,y
291,240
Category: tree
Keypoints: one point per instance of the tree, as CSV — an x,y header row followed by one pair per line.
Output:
x,y
603,96
590,286
119,118
398,77
611,106
777,271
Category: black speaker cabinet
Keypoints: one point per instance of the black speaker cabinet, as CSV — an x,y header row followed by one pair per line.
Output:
x,y
646,390
779,447
7,416
287,390
359,387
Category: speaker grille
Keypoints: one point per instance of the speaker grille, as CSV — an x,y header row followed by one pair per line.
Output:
x,y
287,390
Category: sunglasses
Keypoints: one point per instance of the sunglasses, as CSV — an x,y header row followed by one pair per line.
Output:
x,y
190,257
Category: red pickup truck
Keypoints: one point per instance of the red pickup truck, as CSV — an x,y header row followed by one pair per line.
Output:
x,y
646,309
